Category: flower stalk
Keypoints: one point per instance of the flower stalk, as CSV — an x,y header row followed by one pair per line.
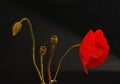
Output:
x,y
54,40
16,28
61,59
42,53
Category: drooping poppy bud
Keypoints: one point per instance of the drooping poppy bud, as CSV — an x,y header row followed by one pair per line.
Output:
x,y
93,49
16,28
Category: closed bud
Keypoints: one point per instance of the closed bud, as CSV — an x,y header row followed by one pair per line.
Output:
x,y
43,50
16,28
54,39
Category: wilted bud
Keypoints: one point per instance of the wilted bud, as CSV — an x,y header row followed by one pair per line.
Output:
x,y
43,50
16,28
54,39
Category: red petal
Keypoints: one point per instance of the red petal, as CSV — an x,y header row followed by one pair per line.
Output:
x,y
86,48
101,50
93,49
85,69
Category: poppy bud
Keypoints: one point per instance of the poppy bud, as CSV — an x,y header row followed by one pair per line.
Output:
x,y
54,39
16,28
43,50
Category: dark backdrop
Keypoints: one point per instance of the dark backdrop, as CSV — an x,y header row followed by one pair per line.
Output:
x,y
70,20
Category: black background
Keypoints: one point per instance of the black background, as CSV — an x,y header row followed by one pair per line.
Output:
x,y
70,20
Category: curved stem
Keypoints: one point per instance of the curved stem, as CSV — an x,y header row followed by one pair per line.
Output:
x,y
33,44
58,68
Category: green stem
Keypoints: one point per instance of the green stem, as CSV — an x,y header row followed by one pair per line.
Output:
x,y
42,71
58,68
33,44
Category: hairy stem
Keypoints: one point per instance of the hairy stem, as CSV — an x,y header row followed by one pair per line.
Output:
x,y
42,70
49,63
59,64
33,45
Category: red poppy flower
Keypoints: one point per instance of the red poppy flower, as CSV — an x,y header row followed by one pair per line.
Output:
x,y
93,49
